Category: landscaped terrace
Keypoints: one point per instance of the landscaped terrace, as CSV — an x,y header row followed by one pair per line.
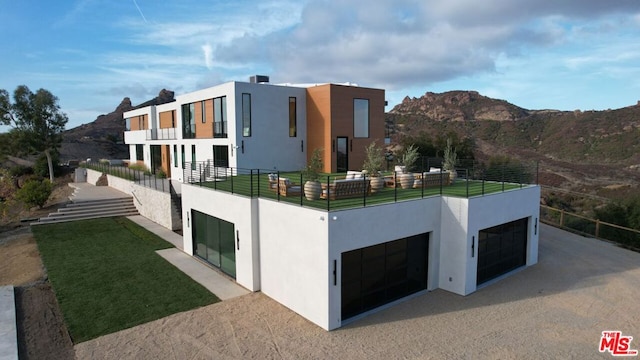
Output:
x,y
256,183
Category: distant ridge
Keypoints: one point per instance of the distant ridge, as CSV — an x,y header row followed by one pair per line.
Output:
x,y
103,137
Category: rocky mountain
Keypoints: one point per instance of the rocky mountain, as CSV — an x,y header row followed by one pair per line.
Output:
x,y
578,148
103,137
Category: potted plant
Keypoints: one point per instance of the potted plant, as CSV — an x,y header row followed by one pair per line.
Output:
x,y
408,159
312,187
373,165
450,160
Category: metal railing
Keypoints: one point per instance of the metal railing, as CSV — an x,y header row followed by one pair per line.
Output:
x,y
139,177
161,134
267,184
591,227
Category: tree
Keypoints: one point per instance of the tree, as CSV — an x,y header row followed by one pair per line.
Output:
x,y
36,120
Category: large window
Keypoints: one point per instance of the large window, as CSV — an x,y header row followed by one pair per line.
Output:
x,y
127,124
246,114
293,121
139,152
220,117
220,156
183,155
214,241
361,118
188,124
175,155
193,157
203,112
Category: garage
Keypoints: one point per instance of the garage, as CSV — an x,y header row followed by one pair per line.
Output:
x,y
501,249
379,274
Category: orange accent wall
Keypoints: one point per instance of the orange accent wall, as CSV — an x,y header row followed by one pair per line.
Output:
x,y
204,130
139,122
168,119
330,114
166,159
319,123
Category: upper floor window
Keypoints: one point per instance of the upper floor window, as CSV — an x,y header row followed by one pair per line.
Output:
x,y
220,117
361,118
293,121
246,114
127,124
188,124
203,112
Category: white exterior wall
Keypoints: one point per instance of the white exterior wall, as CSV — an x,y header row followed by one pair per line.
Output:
x,y
234,209
269,147
295,268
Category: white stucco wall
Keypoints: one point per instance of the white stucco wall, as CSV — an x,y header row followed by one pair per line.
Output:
x,y
294,263
269,147
234,209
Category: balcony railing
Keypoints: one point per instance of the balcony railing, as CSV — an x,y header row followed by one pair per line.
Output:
x,y
161,134
289,186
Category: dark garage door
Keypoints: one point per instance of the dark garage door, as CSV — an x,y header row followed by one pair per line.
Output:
x,y
379,274
501,249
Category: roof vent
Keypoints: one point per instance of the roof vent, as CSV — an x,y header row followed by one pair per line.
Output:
x,y
258,79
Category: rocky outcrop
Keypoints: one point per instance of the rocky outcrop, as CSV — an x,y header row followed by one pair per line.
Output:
x,y
459,106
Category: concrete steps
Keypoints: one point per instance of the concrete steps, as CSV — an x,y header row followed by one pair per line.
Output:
x,y
91,209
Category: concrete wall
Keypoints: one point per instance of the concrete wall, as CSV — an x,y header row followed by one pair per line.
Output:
x,y
153,204
234,209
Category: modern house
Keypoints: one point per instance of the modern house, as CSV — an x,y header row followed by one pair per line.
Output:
x,y
328,260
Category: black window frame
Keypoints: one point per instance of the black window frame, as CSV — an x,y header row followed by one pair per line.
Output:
x,y
246,114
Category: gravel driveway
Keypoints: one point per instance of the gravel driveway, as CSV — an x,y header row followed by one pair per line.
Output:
x,y
555,309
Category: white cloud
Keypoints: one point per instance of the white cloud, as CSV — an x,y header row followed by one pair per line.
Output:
x,y
208,52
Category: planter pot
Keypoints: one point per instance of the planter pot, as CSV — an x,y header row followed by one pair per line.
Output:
x,y
452,176
399,169
377,183
312,190
406,181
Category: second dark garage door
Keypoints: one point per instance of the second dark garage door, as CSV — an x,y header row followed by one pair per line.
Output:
x,y
501,249
379,274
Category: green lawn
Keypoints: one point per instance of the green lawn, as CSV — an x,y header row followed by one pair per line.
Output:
x,y
257,185
107,276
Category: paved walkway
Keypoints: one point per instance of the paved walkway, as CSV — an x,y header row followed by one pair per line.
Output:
x,y
220,285
8,333
88,192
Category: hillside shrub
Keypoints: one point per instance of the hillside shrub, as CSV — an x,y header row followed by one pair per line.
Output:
x,y
35,192
20,170
41,167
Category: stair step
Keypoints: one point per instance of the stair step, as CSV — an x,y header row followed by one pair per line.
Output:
x,y
53,217
81,218
96,206
76,203
93,211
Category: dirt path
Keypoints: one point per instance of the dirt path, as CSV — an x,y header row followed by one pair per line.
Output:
x,y
556,309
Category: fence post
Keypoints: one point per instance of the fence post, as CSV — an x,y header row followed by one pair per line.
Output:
x,y
561,218
597,234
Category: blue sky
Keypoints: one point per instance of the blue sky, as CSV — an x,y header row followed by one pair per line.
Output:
x,y
543,54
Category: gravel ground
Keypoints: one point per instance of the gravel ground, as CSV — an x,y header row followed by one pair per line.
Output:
x,y
555,309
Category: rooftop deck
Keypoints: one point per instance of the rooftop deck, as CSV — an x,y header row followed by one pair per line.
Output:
x,y
255,183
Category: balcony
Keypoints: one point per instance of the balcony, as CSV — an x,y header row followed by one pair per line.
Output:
x,y
161,134
257,183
